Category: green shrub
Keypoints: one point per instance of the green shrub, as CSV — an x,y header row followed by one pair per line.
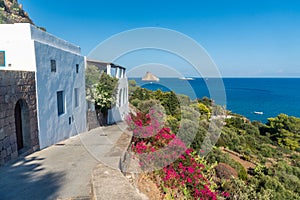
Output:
x,y
206,101
172,123
266,150
285,131
239,190
183,100
202,109
278,190
141,94
135,102
132,87
187,130
198,140
189,113
146,105
243,174
106,91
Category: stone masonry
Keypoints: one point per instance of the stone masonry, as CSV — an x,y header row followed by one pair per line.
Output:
x,y
15,86
92,120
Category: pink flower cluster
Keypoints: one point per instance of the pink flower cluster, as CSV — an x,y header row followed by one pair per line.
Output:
x,y
145,125
155,143
186,171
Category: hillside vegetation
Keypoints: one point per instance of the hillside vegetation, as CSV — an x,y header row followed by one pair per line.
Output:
x,y
250,160
12,12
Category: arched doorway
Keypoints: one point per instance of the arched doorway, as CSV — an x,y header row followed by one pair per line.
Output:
x,y
22,125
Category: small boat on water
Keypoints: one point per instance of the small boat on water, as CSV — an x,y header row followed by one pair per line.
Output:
x,y
258,113
187,78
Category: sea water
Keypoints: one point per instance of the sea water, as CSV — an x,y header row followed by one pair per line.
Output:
x,y
244,96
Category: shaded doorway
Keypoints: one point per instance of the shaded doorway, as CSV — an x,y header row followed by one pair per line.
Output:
x,y
18,121
22,125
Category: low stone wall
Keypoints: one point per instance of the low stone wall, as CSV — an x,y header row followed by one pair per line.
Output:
x,y
17,86
92,120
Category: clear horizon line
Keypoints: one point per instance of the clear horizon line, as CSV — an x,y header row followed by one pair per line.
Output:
x,y
221,77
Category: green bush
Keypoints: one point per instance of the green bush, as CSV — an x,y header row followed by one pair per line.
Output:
x,y
198,140
141,94
243,174
278,190
135,102
266,151
239,190
145,106
183,100
132,87
285,131
206,101
188,130
202,109
189,113
106,91
172,123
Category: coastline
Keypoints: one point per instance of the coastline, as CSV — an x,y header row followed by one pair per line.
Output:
x,y
271,96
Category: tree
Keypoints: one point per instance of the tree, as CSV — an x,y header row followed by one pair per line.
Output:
x,y
101,89
132,86
106,92
92,77
141,94
285,130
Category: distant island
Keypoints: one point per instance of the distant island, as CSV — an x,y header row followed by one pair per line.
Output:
x,y
150,77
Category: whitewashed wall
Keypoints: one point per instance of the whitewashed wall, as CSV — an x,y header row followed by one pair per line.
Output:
x,y
54,128
19,55
19,51
18,31
121,110
30,49
47,38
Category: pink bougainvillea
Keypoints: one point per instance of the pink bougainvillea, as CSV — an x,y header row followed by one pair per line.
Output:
x,y
180,168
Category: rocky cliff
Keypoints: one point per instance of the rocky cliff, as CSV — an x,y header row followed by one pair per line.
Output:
x,y
150,77
12,12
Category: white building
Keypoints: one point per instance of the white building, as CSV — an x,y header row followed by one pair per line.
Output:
x,y
121,109
59,76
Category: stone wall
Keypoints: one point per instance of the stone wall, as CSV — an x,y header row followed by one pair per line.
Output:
x,y
92,120
17,86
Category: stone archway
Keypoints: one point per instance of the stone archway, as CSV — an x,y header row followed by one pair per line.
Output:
x,y
22,124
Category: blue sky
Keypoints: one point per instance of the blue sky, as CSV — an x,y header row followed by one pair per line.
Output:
x,y
244,38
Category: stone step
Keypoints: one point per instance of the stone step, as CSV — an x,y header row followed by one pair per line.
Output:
x,y
108,183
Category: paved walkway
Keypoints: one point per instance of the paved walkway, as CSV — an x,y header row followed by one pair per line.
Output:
x,y
64,170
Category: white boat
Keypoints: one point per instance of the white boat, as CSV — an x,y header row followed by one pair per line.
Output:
x,y
258,113
187,78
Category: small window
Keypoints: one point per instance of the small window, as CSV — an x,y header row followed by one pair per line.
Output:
x,y
77,68
2,58
60,103
76,97
53,65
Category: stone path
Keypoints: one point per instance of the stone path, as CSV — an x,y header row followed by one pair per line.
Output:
x,y
64,170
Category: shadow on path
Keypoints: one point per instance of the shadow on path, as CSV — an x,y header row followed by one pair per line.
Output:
x,y
27,179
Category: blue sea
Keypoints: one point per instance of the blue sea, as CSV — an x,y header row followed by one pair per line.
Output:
x,y
244,96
